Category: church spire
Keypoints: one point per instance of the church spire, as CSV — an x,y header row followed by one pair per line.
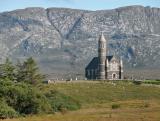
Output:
x,y
102,38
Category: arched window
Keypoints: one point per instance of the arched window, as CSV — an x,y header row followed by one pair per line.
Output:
x,y
96,71
92,73
88,72
101,45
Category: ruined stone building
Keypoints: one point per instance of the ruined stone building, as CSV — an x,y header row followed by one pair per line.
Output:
x,y
104,67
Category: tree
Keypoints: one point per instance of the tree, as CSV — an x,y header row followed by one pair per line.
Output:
x,y
29,72
7,71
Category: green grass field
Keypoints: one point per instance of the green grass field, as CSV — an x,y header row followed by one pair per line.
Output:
x,y
121,101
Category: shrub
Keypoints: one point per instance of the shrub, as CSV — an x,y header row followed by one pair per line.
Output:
x,y
6,111
146,105
24,98
136,82
60,101
62,109
115,106
157,79
27,100
152,82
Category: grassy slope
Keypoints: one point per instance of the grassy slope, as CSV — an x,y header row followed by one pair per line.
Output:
x,y
137,103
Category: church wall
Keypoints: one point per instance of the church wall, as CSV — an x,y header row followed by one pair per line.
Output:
x,y
91,74
110,75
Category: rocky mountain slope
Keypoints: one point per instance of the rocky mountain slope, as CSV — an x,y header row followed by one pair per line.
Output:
x,y
65,40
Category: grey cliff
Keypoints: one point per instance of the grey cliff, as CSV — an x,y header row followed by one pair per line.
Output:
x,y
65,40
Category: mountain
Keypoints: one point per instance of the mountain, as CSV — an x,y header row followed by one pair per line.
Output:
x,y
63,40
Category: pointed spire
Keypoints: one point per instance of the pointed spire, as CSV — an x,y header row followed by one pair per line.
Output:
x,y
102,38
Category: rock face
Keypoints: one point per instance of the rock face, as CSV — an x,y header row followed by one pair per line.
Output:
x,y
66,39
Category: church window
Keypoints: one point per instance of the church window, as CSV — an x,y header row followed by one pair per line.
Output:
x,y
92,72
96,71
88,72
101,45
114,67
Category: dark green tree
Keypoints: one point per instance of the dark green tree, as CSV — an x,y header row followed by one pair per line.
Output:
x,y
29,72
7,71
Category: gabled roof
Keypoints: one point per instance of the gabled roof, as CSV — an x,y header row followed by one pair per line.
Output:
x,y
109,57
94,62
114,58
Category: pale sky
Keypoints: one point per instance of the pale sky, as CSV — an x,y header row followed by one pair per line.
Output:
x,y
7,5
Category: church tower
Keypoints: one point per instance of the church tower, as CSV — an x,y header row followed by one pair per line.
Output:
x,y
101,57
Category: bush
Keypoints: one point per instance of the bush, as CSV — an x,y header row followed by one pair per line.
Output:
x,y
115,106
24,98
146,105
152,82
27,100
136,82
62,109
60,101
7,111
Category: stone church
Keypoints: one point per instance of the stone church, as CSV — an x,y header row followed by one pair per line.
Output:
x,y
104,67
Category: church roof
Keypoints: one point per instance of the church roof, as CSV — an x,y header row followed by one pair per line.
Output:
x,y
109,57
94,62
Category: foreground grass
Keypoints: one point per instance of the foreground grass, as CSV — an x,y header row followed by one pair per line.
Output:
x,y
135,103
96,92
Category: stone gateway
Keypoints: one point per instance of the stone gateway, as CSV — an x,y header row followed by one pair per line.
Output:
x,y
104,67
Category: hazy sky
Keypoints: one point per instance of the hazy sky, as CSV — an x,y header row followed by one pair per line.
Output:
x,y
7,5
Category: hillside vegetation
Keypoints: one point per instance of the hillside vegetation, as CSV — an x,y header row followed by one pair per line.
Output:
x,y
119,101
